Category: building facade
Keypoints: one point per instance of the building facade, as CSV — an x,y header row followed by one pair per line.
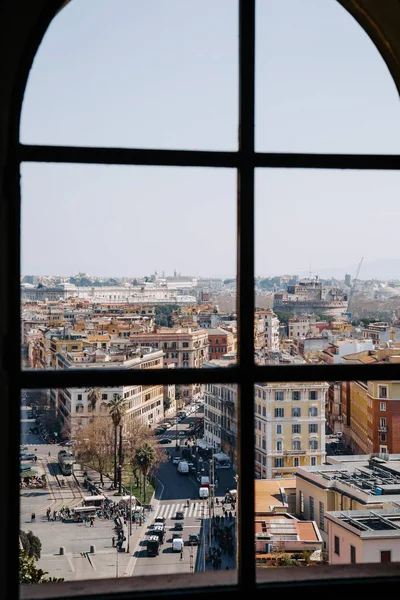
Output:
x,y
144,403
182,348
371,416
289,427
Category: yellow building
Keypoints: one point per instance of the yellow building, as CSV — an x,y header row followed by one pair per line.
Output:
x,y
346,483
289,427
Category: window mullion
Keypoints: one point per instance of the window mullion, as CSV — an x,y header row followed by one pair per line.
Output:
x,y
245,245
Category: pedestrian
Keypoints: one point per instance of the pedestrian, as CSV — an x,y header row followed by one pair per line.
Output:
x,y
181,554
226,568
226,514
216,501
113,541
35,458
32,517
49,453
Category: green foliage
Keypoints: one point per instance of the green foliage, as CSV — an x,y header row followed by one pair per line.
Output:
x,y
31,544
284,316
285,561
163,314
227,281
29,573
307,555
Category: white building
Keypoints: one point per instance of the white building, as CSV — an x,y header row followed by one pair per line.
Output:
x,y
144,403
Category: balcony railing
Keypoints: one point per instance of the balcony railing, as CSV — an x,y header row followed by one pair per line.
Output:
x,y
295,452
382,429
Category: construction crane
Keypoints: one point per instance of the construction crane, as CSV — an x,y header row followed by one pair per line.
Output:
x,y
352,290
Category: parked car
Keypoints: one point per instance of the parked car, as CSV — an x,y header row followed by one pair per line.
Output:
x,y
166,441
179,515
194,539
178,526
176,536
176,460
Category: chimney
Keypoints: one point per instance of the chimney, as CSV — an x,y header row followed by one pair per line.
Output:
x,y
392,334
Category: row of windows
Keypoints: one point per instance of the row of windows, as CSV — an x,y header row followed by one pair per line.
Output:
x,y
296,412
296,428
296,445
279,462
281,395
213,350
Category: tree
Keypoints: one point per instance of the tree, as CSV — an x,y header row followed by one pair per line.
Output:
x,y
95,440
117,410
145,458
31,544
284,316
29,573
94,395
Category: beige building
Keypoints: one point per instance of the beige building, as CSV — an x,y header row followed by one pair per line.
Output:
x,y
144,403
346,483
300,327
183,348
289,427
363,536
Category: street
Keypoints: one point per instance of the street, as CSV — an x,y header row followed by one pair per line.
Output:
x,y
76,560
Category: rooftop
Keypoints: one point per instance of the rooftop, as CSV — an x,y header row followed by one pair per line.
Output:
x,y
270,495
368,522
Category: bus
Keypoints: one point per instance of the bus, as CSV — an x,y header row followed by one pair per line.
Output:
x,y
96,501
222,461
153,545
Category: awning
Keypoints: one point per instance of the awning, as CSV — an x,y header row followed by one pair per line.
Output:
x,y
29,473
221,456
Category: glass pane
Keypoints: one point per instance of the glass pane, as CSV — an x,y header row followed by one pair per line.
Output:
x,y
140,74
129,264
321,84
327,266
321,447
88,453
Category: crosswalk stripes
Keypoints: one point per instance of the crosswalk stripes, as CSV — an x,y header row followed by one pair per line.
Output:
x,y
168,511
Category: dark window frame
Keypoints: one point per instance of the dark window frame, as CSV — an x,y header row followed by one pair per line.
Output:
x,y
246,373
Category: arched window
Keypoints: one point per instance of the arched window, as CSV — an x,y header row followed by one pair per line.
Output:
x,y
244,163
313,444
296,444
79,408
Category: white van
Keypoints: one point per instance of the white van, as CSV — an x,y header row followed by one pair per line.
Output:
x,y
177,545
203,492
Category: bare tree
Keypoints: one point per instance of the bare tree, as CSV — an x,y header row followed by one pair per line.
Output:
x,y
95,440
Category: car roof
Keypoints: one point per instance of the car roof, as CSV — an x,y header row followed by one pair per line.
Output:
x,y
153,538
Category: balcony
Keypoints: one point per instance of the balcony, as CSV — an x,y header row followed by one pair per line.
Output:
x,y
296,452
382,429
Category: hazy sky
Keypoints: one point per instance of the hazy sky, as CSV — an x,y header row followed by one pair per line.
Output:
x,y
164,74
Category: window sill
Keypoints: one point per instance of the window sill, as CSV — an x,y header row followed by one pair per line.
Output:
x,y
363,577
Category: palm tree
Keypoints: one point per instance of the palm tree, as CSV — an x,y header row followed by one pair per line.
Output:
x,y
145,458
117,410
94,395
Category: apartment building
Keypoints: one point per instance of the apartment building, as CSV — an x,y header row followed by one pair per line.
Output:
x,y
220,342
271,329
300,327
183,348
334,417
371,416
144,403
289,427
346,483
220,412
381,332
363,536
